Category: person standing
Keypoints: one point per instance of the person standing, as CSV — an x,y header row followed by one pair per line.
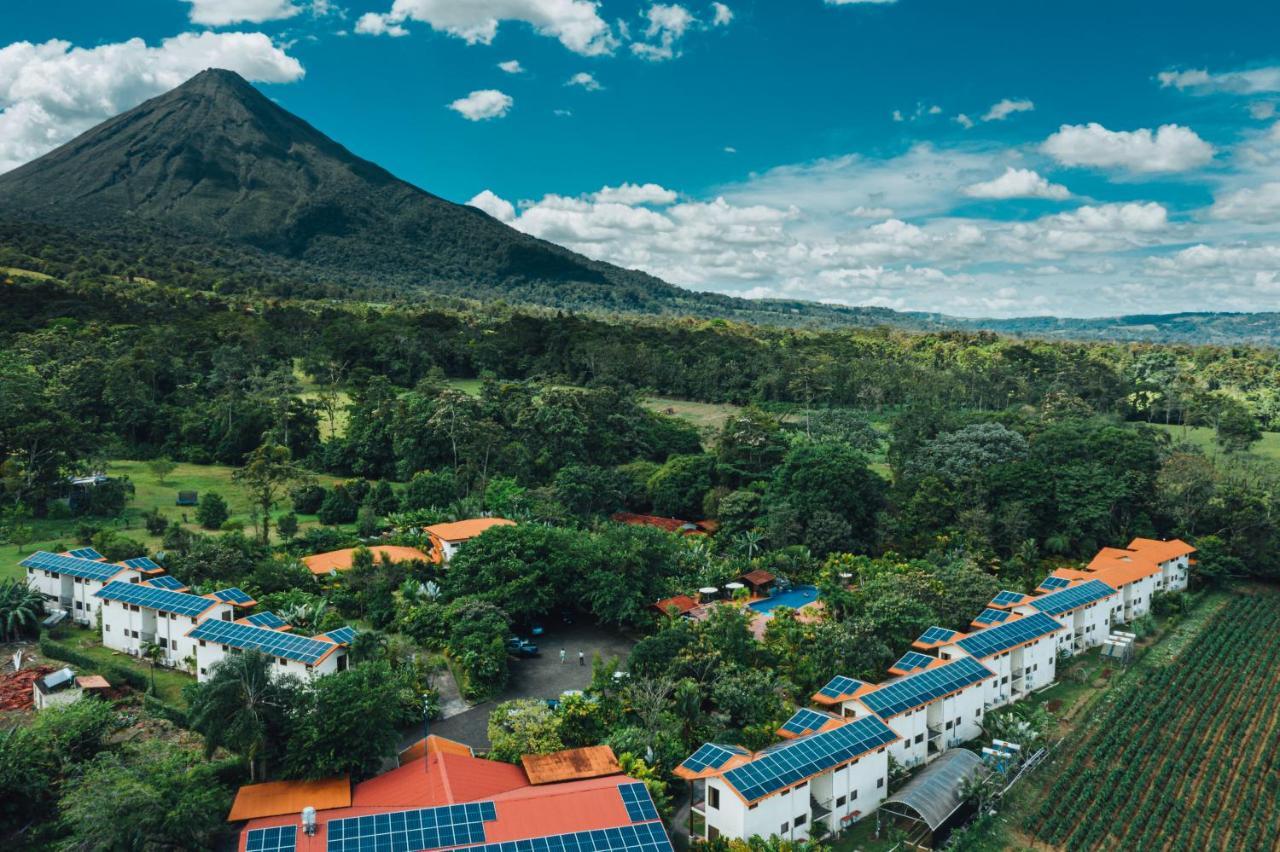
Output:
x,y
582,659
562,655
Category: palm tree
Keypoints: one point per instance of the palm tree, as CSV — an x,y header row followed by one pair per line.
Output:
x,y
153,654
368,645
20,608
239,707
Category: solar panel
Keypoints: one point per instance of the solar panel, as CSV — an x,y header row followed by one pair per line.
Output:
x,y
282,838
153,598
924,686
233,596
643,837
142,563
1066,600
274,642
801,758
840,685
638,802
805,721
1007,598
71,565
86,553
343,635
711,756
911,661
269,620
1052,583
423,828
165,581
936,634
991,616
994,640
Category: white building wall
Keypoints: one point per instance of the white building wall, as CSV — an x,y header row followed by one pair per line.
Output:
x,y
73,594
128,627
1175,573
209,653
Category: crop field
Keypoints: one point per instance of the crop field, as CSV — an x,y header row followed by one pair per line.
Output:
x,y
1188,755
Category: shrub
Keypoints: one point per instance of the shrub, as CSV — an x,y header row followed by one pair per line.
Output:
x,y
212,512
307,499
338,507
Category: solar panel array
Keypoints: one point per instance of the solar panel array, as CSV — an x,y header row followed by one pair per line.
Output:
x,y
269,620
406,831
911,661
991,616
233,596
936,634
343,635
994,640
711,756
1052,583
807,756
1066,600
166,581
142,563
1007,598
70,565
86,553
274,642
840,685
643,837
805,721
638,802
282,838
153,598
923,687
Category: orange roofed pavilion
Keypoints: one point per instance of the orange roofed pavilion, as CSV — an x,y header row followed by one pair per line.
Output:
x,y
340,560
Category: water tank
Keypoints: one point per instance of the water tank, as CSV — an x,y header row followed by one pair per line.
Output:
x,y
309,820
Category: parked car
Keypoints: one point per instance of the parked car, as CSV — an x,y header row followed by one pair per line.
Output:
x,y
521,647
536,629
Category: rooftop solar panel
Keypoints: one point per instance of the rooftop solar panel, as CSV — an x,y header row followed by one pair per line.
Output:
x,y
274,642
642,837
911,661
1006,598
422,828
142,563
638,802
269,620
994,640
165,581
711,756
71,565
86,553
343,635
233,596
1052,583
1056,603
801,758
805,721
991,616
936,634
282,838
164,600
840,685
924,686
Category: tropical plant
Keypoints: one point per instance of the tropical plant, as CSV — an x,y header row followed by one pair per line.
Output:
x,y
153,653
241,707
20,608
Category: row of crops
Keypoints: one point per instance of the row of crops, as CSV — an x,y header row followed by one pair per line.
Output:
x,y
1186,757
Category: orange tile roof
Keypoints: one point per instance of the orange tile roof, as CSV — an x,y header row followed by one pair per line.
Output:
x,y
682,603
1117,567
570,764
1162,551
758,577
92,682
275,798
340,560
463,530
434,744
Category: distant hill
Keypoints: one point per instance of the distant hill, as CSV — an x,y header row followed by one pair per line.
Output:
x,y
215,176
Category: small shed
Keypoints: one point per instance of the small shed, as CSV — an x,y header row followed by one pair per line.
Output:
x,y
54,689
933,802
188,498
759,580
678,605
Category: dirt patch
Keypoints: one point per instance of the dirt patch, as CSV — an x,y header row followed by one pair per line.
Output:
x,y
15,687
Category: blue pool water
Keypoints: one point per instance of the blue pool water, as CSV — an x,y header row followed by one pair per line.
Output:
x,y
795,598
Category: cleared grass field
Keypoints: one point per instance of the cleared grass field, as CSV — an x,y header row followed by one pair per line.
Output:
x,y
1203,437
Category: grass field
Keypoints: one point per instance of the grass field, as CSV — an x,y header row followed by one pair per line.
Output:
x,y
1203,437
169,683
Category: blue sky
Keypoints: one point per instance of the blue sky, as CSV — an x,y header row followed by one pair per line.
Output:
x,y
980,158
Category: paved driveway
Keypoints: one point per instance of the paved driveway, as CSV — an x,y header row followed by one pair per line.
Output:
x,y
539,677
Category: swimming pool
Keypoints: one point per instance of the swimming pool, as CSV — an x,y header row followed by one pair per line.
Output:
x,y
795,597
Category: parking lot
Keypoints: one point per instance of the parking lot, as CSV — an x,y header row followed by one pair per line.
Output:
x,y
543,676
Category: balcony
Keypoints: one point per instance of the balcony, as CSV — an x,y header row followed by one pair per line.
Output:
x,y
147,638
819,810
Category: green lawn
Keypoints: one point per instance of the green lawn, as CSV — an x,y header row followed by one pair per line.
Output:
x,y
169,683
1203,437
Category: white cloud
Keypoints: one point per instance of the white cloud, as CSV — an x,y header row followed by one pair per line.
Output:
x,y
1262,110
1017,183
722,15
1259,204
483,105
667,24
632,194
1171,148
585,80
512,66
1003,109
1131,217
1200,82
498,208
964,121
575,23
371,23
219,13
53,91
862,212
897,115
562,113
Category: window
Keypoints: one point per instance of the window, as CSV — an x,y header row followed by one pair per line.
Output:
x,y
753,807
840,800
919,738
800,820
173,644
283,661
785,827
713,798
204,671
948,725
712,832
784,793
201,641
879,782
853,795
106,628
801,785
79,605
